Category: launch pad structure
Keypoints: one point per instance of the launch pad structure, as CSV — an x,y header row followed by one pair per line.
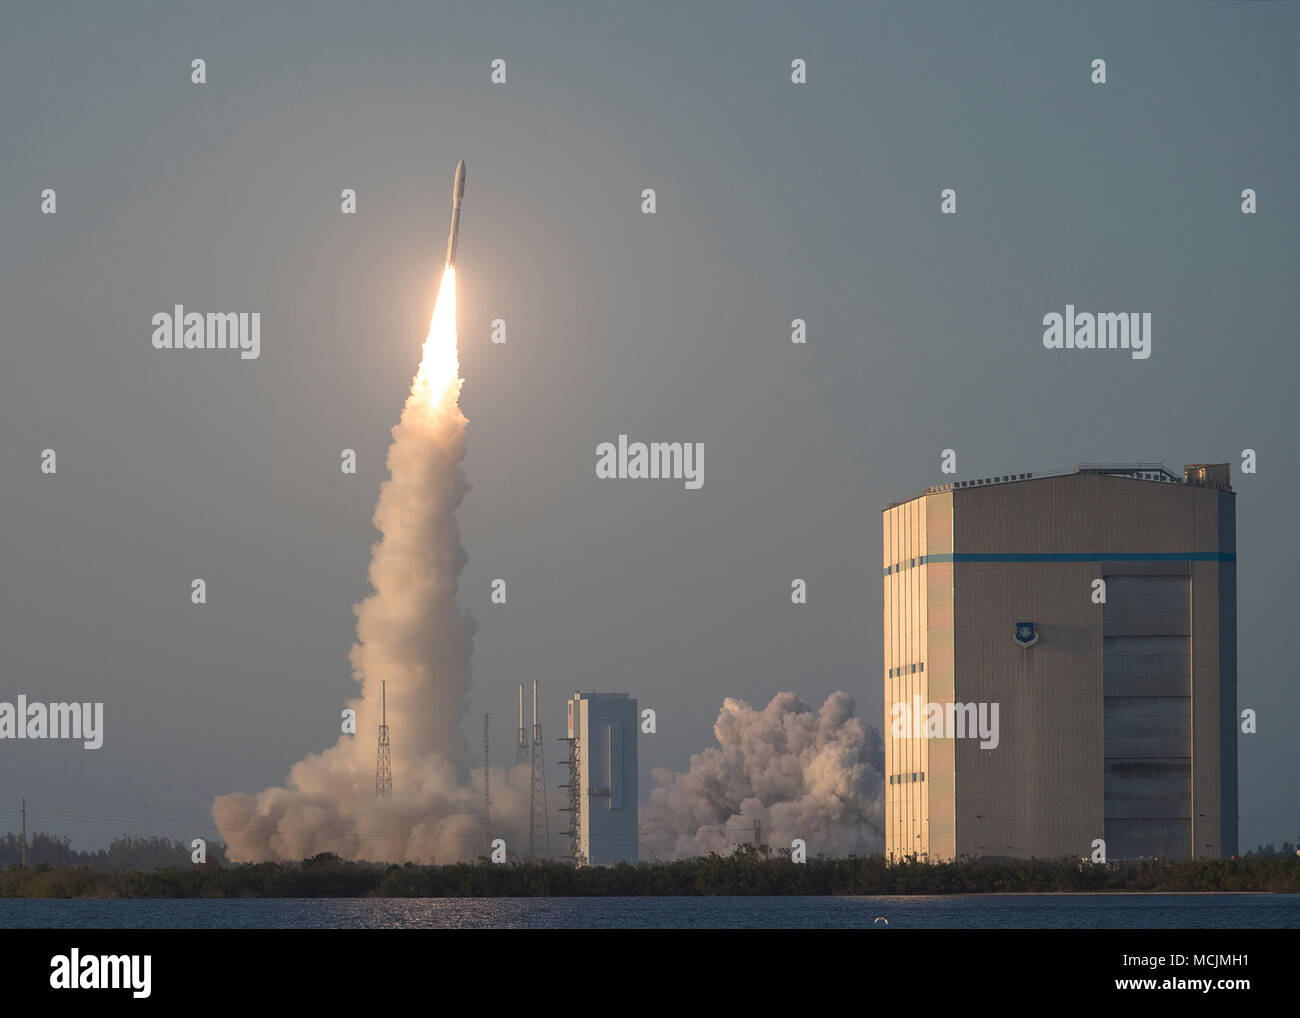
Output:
x,y
539,822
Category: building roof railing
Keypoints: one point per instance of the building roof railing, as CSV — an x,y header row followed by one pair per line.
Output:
x,y
1156,472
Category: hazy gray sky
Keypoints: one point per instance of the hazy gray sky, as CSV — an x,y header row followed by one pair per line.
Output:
x,y
775,201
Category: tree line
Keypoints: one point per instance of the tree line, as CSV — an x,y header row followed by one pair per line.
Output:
x,y
124,853
749,870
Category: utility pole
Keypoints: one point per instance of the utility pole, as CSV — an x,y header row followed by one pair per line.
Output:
x,y
24,833
487,797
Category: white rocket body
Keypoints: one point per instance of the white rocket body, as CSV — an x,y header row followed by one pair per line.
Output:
x,y
457,196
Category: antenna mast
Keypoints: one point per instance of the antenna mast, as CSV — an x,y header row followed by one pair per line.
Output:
x,y
384,764
487,796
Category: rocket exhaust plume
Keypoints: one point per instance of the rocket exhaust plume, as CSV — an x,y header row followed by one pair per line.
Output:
x,y
807,774
412,634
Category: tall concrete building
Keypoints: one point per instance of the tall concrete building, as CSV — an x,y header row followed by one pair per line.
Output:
x,y
603,777
1115,702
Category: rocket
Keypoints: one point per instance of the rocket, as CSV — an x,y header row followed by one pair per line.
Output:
x,y
457,196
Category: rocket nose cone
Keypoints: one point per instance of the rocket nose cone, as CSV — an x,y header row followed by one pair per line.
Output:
x,y
458,182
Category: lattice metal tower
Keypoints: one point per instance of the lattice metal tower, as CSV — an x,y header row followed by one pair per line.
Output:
x,y
574,809
539,823
384,764
487,795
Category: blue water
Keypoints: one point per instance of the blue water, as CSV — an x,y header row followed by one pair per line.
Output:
x,y
993,911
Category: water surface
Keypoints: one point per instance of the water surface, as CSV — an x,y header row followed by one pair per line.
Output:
x,y
992,911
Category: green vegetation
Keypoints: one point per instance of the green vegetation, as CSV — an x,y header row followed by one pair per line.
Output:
x,y
748,871
125,853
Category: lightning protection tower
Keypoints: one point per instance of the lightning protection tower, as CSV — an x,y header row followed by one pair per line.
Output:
x,y
539,824
522,748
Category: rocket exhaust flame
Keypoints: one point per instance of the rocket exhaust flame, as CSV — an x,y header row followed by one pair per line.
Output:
x,y
439,361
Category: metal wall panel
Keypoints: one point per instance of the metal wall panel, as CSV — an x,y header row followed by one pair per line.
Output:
x,y
1147,679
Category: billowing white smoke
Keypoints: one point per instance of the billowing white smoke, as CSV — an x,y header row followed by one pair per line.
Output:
x,y
412,634
807,774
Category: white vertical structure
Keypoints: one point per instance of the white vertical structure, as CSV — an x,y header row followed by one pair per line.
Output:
x,y
604,726
521,748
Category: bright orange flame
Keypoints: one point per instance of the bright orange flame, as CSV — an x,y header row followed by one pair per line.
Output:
x,y
439,363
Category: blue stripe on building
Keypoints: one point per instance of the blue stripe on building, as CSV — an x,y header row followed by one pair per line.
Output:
x,y
1016,556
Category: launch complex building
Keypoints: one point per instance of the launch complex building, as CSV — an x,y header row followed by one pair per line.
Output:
x,y
1092,613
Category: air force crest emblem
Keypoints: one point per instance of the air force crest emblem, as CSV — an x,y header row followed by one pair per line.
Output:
x,y
1026,634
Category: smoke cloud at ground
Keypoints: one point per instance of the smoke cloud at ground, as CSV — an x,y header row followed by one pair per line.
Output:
x,y
807,774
